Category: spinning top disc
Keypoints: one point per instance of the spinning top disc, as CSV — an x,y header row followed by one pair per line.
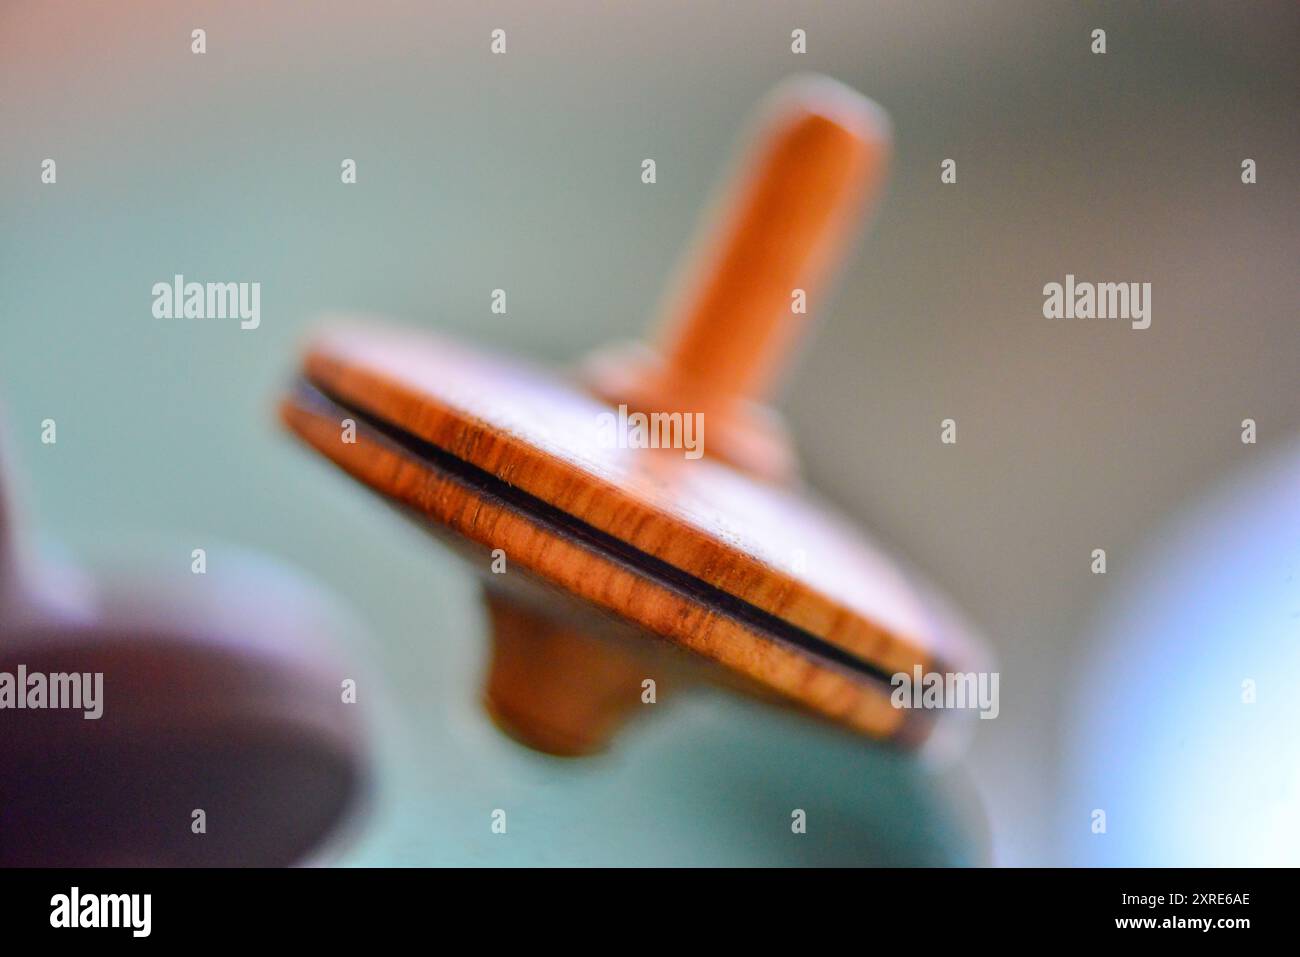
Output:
x,y
725,554
751,575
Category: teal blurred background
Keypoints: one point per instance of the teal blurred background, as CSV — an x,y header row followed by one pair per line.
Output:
x,y
522,171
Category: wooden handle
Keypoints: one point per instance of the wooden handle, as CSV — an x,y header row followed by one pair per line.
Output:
x,y
821,149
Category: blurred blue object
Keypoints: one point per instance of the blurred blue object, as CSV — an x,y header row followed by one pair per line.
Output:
x,y
1185,731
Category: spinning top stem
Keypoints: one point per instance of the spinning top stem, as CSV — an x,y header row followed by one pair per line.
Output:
x,y
555,686
820,151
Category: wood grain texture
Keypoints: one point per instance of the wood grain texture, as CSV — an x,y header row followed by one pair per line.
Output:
x,y
694,521
723,555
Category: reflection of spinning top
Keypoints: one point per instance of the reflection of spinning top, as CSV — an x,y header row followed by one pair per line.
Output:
x,y
725,555
215,697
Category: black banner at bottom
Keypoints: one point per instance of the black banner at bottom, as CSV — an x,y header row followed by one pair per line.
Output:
x,y
341,907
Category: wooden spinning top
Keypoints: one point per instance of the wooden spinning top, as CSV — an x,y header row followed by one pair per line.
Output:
x,y
618,555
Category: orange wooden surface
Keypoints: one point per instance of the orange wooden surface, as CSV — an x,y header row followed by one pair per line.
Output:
x,y
724,555
730,532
